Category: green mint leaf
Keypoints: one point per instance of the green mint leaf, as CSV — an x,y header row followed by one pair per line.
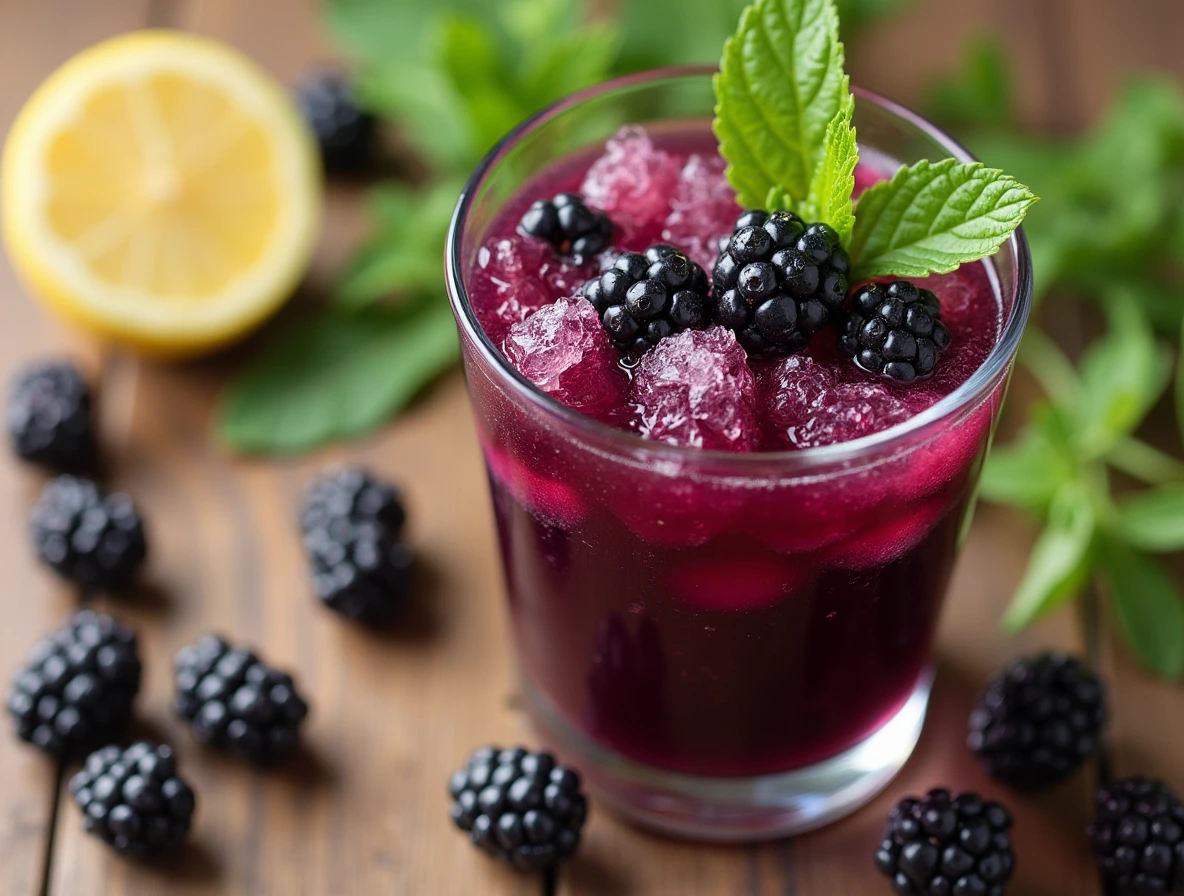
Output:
x,y
1028,473
336,376
692,31
1122,376
1152,520
1059,563
781,82
931,218
1145,462
778,200
1147,606
830,200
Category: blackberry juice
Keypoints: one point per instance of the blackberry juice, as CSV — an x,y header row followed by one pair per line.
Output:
x,y
708,573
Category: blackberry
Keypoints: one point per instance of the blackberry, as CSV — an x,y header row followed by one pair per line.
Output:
x,y
1138,837
85,535
236,703
942,845
642,299
894,330
568,225
344,132
519,806
1038,721
77,689
134,800
49,418
778,281
351,523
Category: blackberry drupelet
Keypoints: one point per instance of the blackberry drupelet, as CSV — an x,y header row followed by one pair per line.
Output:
x,y
568,225
77,689
1038,721
85,535
344,132
49,418
351,523
642,299
894,330
778,281
236,703
519,806
1138,837
134,800
943,845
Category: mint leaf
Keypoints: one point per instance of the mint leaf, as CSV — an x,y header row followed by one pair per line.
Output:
x,y
834,181
1147,606
1059,563
781,82
778,200
336,375
1027,473
1152,520
931,218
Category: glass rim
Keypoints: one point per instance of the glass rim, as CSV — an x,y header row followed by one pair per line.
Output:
x,y
976,387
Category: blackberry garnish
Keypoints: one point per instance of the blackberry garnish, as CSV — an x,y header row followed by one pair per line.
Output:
x,y
568,225
778,281
942,845
1138,837
519,806
77,689
236,703
49,418
894,330
134,800
642,299
344,132
88,536
351,523
1038,721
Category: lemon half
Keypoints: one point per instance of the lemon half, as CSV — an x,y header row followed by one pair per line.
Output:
x,y
161,190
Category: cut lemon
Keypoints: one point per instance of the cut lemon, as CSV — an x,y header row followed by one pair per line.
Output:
x,y
160,189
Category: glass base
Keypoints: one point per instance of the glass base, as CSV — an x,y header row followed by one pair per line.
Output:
x,y
737,810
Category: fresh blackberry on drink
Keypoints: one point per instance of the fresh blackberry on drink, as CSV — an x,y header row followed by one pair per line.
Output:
x,y
1038,721
1138,837
778,281
643,298
49,418
345,133
894,330
234,702
134,800
568,225
520,807
77,689
942,845
352,528
85,535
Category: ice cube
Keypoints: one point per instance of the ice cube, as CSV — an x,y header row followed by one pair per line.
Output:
x,y
563,349
703,208
898,529
752,583
549,499
632,181
810,403
697,389
509,271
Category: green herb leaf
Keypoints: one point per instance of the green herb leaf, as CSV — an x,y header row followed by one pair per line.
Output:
x,y
1147,606
1122,376
1059,563
931,218
1152,520
981,93
834,182
778,200
781,83
336,375
1028,473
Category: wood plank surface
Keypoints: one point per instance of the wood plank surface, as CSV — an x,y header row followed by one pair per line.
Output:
x,y
363,810
34,38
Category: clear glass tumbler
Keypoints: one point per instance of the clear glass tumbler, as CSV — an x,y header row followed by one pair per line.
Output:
x,y
728,646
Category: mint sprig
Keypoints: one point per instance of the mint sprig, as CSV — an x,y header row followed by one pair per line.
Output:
x,y
931,218
829,200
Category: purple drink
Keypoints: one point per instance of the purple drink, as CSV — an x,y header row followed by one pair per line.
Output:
x,y
711,579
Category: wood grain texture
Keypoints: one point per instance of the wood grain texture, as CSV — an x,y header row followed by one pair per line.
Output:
x,y
34,39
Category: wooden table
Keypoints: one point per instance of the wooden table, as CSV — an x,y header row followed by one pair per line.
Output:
x,y
364,810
